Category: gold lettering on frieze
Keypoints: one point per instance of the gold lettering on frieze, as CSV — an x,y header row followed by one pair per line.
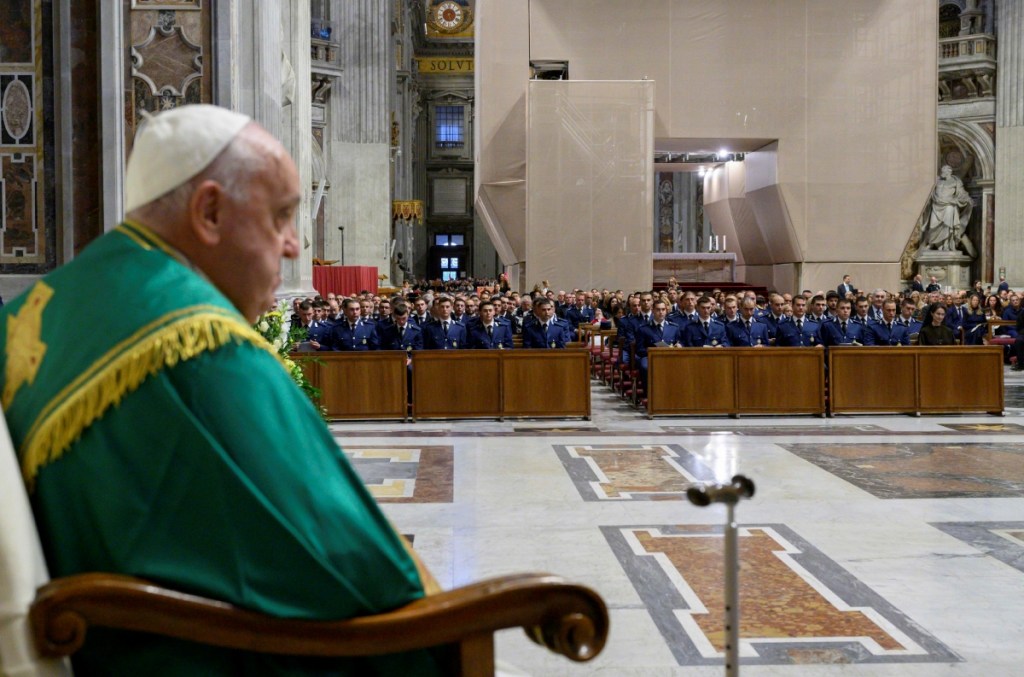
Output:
x,y
433,65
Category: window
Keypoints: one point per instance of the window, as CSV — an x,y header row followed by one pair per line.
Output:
x,y
449,240
447,275
449,129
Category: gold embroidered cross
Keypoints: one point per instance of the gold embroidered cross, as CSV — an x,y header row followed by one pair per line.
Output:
x,y
25,349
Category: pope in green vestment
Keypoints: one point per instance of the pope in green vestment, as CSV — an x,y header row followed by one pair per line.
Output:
x,y
161,437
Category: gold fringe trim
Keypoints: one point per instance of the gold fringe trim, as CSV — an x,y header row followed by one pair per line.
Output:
x,y
121,371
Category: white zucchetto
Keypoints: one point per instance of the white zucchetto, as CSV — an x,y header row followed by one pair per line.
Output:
x,y
175,146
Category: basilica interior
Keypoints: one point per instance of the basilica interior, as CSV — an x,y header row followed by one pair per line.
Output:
x,y
580,142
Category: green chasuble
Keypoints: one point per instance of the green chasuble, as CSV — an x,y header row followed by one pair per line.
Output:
x,y
161,437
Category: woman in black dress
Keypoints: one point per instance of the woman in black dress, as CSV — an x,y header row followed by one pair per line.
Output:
x,y
934,331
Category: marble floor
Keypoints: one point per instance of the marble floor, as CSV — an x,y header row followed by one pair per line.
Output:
x,y
875,545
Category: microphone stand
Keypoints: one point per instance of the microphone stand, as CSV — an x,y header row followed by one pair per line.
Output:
x,y
729,494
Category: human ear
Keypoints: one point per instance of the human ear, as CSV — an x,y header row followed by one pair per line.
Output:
x,y
205,212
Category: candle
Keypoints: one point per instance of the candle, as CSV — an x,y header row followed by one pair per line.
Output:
x,y
723,244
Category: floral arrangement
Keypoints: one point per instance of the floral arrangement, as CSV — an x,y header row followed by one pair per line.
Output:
x,y
271,326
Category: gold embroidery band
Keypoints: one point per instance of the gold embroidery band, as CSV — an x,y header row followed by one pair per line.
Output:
x,y
121,371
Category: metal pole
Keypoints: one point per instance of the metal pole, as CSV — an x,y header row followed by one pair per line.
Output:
x,y
732,594
729,494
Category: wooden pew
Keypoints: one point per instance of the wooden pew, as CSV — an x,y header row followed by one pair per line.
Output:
x,y
546,383
915,380
735,381
501,383
363,385
456,383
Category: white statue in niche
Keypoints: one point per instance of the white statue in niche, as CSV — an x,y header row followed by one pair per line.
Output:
x,y
950,214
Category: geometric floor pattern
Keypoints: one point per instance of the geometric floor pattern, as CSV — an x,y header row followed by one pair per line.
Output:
x,y
405,474
923,470
796,605
1003,541
874,546
632,472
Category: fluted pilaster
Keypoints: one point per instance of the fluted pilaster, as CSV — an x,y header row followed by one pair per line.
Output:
x,y
368,78
1009,190
359,155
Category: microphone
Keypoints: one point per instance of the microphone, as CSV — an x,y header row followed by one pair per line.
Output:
x,y
705,494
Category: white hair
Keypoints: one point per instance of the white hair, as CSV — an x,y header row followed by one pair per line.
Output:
x,y
233,170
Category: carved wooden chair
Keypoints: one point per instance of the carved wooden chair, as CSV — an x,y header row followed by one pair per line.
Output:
x,y
40,627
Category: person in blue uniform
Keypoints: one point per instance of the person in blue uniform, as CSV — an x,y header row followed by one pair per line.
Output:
x,y
862,314
546,331
907,309
626,328
843,331
748,332
402,333
488,333
775,316
579,313
659,333
444,333
800,331
351,334
706,331
421,315
888,332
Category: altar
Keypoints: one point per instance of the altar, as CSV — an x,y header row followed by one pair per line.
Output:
x,y
696,267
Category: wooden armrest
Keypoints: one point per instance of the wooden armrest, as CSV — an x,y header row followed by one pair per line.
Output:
x,y
995,323
569,619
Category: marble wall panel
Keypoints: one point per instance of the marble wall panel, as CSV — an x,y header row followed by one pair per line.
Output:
x,y
26,225
168,57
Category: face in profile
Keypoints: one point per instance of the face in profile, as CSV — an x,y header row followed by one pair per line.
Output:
x,y
256,229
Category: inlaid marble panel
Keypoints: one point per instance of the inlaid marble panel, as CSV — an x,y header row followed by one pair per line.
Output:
x,y
405,474
923,470
23,160
797,606
985,428
781,430
16,23
632,472
19,184
168,49
1002,540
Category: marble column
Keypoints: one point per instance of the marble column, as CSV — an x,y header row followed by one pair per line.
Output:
x,y
270,40
1009,188
297,135
359,166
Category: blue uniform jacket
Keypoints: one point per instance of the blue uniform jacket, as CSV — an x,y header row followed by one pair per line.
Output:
x,y
879,334
342,337
789,335
409,338
740,337
773,323
576,315
501,338
434,337
832,333
557,335
648,336
694,335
